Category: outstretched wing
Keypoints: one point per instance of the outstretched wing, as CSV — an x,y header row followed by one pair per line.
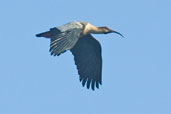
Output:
x,y
66,38
63,38
63,41
87,56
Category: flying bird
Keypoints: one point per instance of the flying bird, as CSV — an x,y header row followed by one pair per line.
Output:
x,y
76,37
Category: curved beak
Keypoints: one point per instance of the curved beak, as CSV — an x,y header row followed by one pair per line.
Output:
x,y
117,33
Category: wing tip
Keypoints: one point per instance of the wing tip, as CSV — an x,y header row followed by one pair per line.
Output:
x,y
88,82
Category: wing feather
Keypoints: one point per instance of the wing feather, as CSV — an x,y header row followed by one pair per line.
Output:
x,y
64,40
87,56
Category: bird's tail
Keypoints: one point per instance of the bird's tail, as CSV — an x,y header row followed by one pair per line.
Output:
x,y
45,34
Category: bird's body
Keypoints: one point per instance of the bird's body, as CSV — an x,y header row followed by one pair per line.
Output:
x,y
75,36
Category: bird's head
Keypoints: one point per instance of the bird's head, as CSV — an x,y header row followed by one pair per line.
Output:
x,y
106,30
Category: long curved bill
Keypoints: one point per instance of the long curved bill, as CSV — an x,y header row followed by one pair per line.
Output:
x,y
117,33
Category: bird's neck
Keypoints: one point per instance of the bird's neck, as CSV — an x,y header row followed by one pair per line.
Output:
x,y
89,28
97,30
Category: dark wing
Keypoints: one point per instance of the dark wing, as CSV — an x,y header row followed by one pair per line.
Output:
x,y
64,40
87,56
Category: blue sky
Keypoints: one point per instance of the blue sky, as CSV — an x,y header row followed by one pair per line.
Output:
x,y
136,70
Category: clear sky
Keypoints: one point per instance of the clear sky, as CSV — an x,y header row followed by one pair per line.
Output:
x,y
136,70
